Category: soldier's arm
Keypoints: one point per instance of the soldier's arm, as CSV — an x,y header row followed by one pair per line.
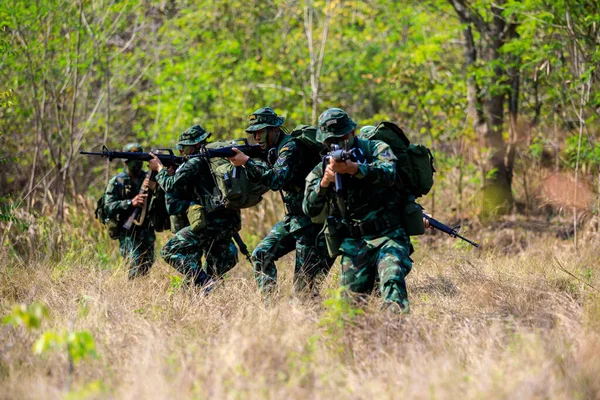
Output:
x,y
114,203
382,171
288,160
184,174
315,196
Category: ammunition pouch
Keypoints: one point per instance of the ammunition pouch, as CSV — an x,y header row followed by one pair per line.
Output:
x,y
412,218
114,228
334,236
197,217
178,222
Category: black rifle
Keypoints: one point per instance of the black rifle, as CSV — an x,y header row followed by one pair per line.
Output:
x,y
338,154
242,246
446,229
169,159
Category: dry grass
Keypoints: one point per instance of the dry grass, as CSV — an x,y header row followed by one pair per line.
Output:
x,y
484,324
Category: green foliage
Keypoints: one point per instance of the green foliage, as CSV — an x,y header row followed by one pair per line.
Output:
x,y
79,345
339,312
589,153
29,316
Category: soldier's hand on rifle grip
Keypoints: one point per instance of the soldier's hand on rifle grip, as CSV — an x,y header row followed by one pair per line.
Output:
x,y
344,167
139,200
328,176
149,184
239,159
155,164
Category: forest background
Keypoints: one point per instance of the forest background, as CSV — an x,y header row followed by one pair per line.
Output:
x,y
505,93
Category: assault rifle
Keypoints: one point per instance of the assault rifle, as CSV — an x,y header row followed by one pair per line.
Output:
x,y
446,229
169,158
138,215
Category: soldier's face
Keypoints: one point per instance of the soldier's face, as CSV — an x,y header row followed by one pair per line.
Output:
x,y
345,141
188,149
266,137
134,167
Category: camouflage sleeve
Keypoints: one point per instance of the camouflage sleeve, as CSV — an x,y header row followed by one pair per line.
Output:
x,y
114,203
315,196
185,174
274,178
174,204
382,171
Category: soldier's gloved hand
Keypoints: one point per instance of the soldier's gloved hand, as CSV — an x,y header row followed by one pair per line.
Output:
x,y
344,167
328,176
139,200
239,159
155,164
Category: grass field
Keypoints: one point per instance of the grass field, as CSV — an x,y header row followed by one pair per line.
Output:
x,y
508,321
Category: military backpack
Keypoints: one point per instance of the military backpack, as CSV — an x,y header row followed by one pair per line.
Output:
x,y
414,172
235,190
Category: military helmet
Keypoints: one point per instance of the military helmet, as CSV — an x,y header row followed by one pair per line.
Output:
x,y
366,131
133,147
334,123
262,118
193,135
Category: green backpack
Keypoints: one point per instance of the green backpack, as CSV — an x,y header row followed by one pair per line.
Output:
x,y
306,135
415,162
414,171
236,190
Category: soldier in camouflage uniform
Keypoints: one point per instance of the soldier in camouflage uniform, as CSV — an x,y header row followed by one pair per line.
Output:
x,y
193,183
136,245
364,221
295,231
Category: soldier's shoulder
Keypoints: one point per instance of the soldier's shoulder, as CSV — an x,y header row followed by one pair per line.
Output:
x,y
289,143
118,179
382,150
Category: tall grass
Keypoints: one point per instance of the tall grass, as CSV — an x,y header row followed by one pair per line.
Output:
x,y
503,322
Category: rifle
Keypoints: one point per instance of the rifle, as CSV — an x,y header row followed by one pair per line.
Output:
x,y
338,154
135,217
446,229
169,159
242,246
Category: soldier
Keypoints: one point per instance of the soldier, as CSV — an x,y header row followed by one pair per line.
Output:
x,y
295,231
364,225
122,194
211,227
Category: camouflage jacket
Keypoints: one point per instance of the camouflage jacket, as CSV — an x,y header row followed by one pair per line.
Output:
x,y
117,198
287,174
367,193
193,182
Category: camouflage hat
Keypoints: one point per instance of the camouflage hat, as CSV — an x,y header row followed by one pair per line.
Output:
x,y
366,131
262,118
133,147
334,123
193,135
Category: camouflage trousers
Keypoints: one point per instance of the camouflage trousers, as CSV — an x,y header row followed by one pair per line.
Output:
x,y
312,264
185,250
137,248
385,258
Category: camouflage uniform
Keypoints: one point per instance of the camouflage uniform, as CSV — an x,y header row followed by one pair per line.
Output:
x,y
136,245
193,184
295,231
373,244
